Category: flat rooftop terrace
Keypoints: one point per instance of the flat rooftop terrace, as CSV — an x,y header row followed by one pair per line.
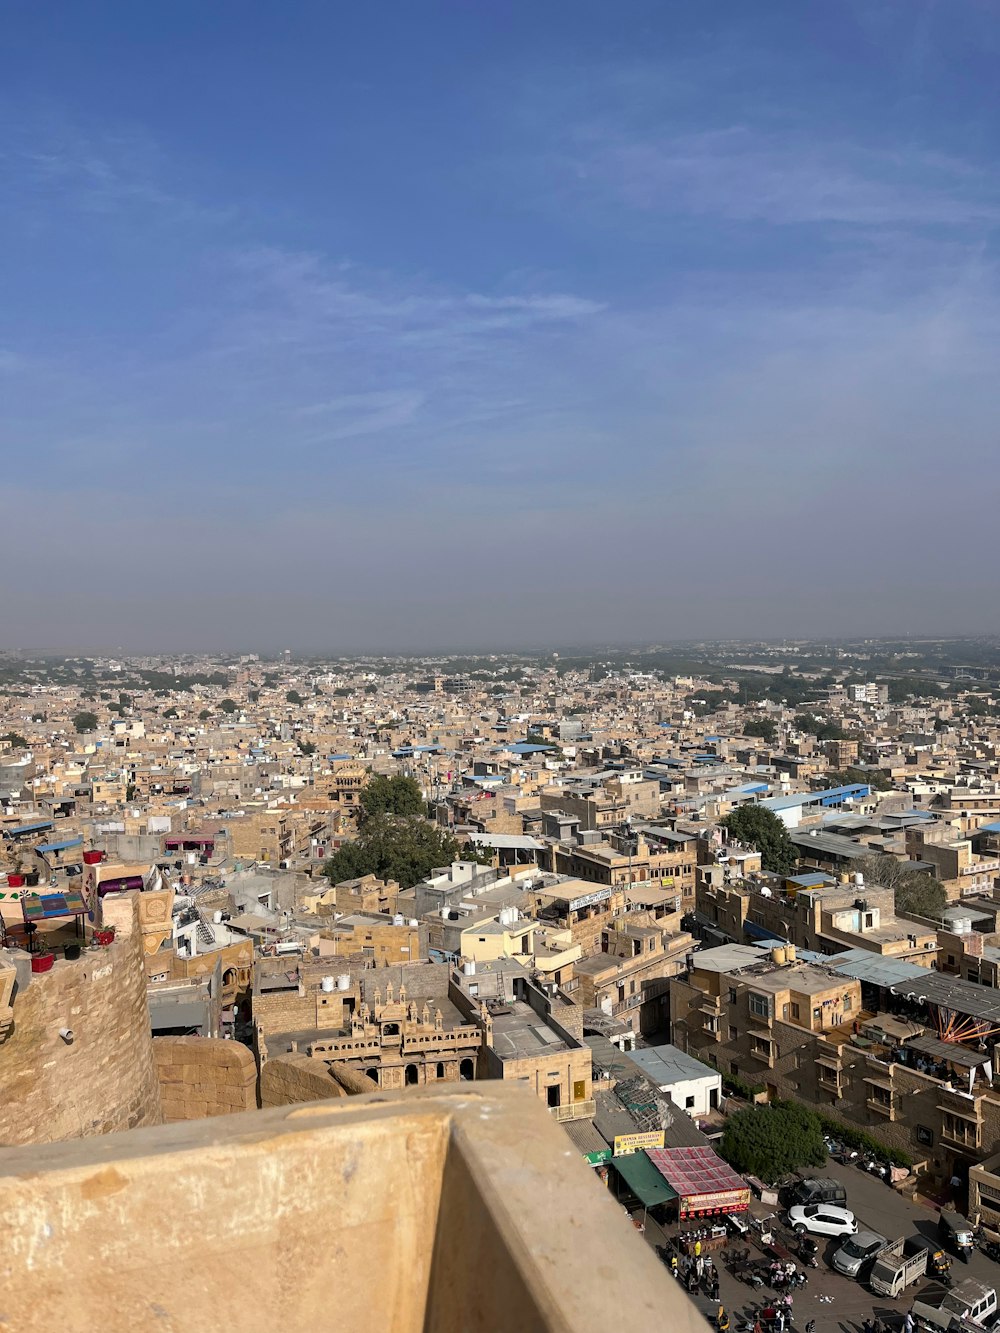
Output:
x,y
518,1032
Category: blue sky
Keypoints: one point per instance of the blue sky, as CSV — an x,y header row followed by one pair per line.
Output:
x,y
422,325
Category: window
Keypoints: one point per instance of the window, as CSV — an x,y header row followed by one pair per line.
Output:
x,y
760,1005
732,995
733,1033
689,1103
760,1047
848,1004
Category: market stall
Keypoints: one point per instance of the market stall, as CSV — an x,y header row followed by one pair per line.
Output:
x,y
705,1186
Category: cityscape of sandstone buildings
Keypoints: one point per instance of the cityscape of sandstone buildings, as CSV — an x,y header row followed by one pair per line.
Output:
x,y
175,949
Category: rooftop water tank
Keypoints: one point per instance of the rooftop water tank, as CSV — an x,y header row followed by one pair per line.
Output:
x,y
326,984
469,968
413,921
217,918
399,919
344,981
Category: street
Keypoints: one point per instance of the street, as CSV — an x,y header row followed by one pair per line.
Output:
x,y
833,1301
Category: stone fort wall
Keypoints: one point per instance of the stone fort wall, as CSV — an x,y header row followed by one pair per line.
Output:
x,y
106,1079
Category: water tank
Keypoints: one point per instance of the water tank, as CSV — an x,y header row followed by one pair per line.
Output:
x,y
217,918
399,919
779,955
790,953
445,912
962,925
344,981
326,985
859,878
469,968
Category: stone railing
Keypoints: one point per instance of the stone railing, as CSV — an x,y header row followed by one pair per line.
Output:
x,y
416,1211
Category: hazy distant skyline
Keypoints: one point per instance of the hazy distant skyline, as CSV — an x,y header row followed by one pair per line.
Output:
x,y
414,327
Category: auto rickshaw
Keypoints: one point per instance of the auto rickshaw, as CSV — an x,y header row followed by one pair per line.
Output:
x,y
957,1234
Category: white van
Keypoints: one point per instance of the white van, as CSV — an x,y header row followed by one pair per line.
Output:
x,y
937,1307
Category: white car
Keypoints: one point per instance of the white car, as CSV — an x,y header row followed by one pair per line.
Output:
x,y
823,1219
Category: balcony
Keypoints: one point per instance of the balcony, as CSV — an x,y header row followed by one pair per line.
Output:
x,y
574,1111
438,1207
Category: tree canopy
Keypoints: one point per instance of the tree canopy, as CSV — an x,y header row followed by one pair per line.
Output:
x,y
770,1141
763,728
403,848
293,697
15,739
85,722
229,706
819,727
397,795
915,891
761,828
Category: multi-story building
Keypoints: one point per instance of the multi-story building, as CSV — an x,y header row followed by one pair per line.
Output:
x,y
879,1044
629,978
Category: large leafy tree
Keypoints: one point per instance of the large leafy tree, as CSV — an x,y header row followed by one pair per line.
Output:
x,y
770,1141
915,891
403,848
84,722
391,796
762,828
763,728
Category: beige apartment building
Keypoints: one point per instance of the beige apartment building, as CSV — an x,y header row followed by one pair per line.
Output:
x,y
630,978
827,1038
827,919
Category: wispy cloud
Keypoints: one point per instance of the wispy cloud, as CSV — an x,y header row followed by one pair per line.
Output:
x,y
743,174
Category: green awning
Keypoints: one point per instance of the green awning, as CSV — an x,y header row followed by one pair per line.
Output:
x,y
643,1179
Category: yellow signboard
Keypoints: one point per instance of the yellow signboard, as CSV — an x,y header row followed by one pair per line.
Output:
x,y
626,1143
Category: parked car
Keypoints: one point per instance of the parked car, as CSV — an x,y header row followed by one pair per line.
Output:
x,y
857,1252
822,1219
817,1190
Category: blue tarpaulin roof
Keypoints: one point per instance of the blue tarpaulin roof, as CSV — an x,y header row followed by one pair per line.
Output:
x,y
29,828
59,846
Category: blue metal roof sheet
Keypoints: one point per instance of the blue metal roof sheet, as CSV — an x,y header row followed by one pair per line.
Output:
x,y
59,846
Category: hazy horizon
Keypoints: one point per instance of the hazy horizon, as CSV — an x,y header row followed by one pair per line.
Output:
x,y
418,329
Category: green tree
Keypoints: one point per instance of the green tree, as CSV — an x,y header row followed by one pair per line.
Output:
x,y
915,891
15,739
84,722
761,828
770,1141
204,715
762,727
170,712
293,697
404,848
307,747
397,795
472,851
229,706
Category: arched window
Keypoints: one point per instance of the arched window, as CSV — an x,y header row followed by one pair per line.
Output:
x,y
467,1070
411,1074
440,1069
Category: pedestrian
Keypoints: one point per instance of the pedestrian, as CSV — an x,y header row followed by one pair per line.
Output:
x,y
811,1326
908,1324
722,1320
866,1326
758,1327
673,1265
779,1321
697,1249
699,1266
